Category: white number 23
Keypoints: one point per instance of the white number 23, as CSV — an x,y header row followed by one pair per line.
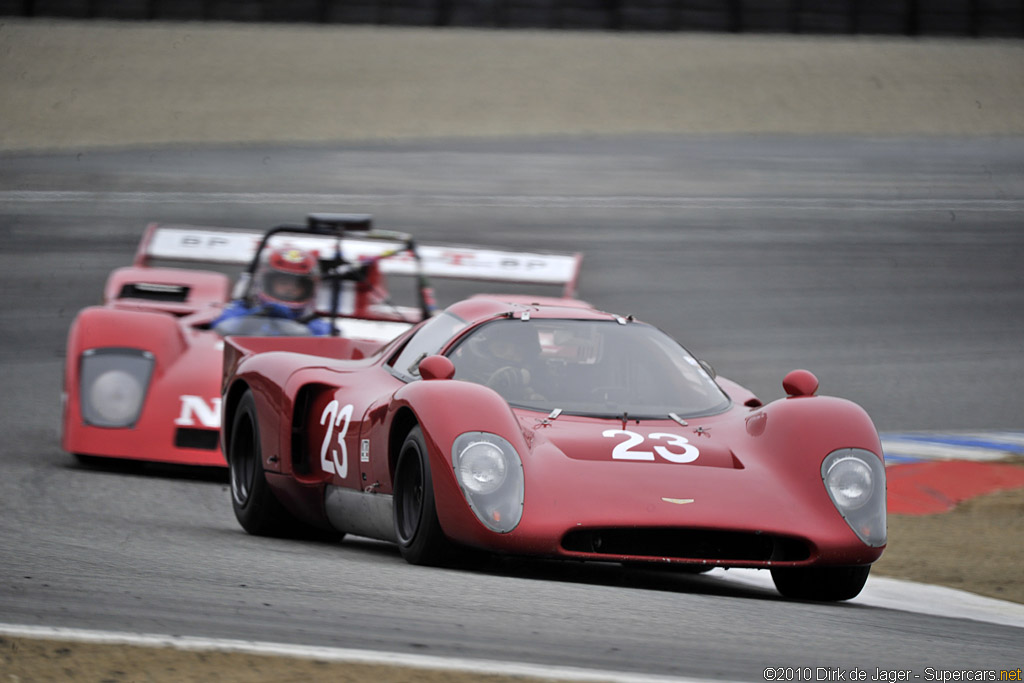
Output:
x,y
332,417
626,450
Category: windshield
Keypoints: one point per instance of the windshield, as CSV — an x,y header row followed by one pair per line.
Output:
x,y
583,367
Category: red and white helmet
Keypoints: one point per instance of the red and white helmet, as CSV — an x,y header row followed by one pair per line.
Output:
x,y
288,277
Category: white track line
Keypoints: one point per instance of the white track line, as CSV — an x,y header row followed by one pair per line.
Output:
x,y
907,596
879,592
333,654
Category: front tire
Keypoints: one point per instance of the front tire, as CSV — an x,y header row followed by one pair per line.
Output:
x,y
825,584
417,529
256,507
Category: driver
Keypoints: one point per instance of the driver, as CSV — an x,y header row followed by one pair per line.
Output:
x,y
284,286
505,356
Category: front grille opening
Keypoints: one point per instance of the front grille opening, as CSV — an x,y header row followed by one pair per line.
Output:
x,y
204,439
687,544
152,291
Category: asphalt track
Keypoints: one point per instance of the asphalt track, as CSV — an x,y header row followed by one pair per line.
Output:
x,y
890,267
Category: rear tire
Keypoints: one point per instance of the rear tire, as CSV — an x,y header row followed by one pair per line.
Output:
x,y
417,529
826,584
256,507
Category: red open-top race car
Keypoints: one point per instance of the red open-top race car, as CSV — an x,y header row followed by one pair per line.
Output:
x,y
142,377
544,427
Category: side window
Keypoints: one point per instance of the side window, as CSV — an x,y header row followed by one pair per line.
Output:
x,y
429,340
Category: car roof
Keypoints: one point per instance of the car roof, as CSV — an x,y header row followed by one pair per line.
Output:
x,y
487,306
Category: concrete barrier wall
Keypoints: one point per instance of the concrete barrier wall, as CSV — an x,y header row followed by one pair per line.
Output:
x,y
990,18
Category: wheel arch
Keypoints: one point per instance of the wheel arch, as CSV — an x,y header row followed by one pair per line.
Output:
x,y
229,406
102,326
815,426
444,409
404,421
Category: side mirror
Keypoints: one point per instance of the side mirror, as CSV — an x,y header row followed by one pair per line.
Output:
x,y
436,367
800,383
708,369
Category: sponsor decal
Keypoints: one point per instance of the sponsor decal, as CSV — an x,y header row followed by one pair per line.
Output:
x,y
196,409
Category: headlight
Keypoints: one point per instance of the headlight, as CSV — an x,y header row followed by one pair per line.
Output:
x,y
482,467
849,482
855,481
490,475
112,385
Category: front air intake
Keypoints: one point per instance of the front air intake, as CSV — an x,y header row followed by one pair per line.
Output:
x,y
151,291
687,544
203,439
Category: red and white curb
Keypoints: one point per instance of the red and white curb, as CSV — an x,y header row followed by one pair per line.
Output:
x,y
986,446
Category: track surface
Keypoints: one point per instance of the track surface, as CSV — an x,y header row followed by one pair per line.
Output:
x,y
890,268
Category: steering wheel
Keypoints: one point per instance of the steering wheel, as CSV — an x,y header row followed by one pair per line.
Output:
x,y
506,377
513,382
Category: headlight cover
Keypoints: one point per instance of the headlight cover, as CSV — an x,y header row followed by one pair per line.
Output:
x,y
490,474
112,385
855,481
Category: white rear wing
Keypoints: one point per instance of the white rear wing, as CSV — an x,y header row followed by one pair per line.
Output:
x,y
222,246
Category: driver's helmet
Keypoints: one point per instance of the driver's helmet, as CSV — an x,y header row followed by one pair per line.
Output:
x,y
286,281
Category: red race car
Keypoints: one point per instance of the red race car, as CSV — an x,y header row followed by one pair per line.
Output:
x,y
543,427
142,377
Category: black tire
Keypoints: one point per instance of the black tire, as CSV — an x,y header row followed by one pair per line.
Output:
x,y
256,507
419,534
826,584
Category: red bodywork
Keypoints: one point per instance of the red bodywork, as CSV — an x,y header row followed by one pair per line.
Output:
x,y
753,497
180,418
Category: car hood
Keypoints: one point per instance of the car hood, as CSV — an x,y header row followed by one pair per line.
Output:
x,y
710,473
702,443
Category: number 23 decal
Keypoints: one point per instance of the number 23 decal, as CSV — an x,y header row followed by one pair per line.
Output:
x,y
626,450
333,417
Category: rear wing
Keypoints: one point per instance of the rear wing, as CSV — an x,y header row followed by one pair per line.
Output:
x,y
182,243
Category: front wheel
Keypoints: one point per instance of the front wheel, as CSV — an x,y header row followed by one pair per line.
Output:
x,y
827,584
419,534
